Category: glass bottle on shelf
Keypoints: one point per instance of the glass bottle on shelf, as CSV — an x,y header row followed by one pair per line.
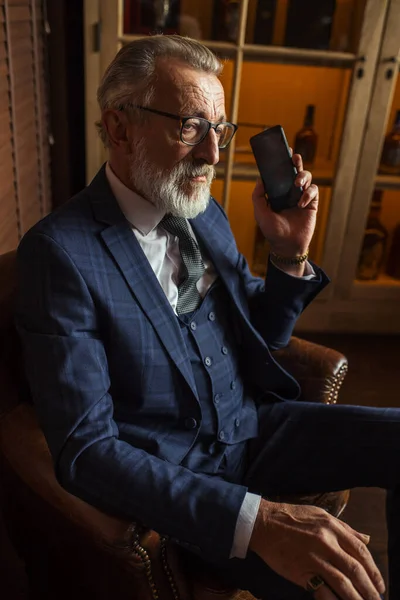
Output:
x,y
344,26
264,21
306,139
390,158
260,254
374,244
393,261
232,20
226,20
151,16
309,24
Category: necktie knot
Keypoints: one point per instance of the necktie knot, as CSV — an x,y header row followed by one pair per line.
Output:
x,y
176,225
188,295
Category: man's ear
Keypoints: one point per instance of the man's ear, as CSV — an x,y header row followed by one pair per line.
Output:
x,y
116,124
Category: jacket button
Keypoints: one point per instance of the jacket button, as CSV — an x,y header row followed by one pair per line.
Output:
x,y
237,422
211,316
221,435
233,385
217,398
193,325
224,350
190,423
208,361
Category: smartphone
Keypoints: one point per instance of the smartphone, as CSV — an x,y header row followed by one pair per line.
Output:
x,y
278,173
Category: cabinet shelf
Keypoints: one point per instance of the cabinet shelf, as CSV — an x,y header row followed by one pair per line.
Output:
x,y
278,54
227,49
387,182
383,288
323,174
303,56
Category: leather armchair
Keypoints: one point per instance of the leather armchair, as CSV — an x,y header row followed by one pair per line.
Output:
x,y
71,549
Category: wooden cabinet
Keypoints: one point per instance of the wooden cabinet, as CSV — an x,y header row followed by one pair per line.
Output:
x,y
345,63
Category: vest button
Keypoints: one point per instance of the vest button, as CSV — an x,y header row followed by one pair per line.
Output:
x,y
221,435
190,423
237,422
193,325
233,385
208,361
211,316
217,398
224,350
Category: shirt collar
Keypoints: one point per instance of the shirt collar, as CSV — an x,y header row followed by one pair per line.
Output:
x,y
141,213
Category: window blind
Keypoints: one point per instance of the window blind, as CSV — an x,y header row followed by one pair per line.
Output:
x,y
24,120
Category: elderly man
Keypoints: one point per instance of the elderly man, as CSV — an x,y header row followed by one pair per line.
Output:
x,y
148,347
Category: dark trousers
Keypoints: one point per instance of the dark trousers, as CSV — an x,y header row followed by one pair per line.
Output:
x,y
306,448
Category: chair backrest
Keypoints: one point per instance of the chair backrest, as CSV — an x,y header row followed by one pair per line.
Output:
x,y
11,367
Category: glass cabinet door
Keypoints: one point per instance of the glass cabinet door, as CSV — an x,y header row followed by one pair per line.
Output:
x,y
316,24
305,66
308,66
310,103
369,273
206,20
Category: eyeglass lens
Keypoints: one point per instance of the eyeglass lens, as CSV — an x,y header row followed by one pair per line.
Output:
x,y
194,131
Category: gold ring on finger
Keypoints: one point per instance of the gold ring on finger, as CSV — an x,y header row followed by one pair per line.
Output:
x,y
314,584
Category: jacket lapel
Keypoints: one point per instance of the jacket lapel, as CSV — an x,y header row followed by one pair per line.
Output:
x,y
139,275
218,246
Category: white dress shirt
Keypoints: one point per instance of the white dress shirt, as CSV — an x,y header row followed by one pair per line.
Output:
x,y
162,251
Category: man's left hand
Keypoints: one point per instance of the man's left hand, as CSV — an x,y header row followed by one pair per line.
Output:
x,y
289,232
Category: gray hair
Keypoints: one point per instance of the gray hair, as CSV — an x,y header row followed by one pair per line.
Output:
x,y
130,78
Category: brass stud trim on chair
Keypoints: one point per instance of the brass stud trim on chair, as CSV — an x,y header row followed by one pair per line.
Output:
x,y
337,384
167,569
142,554
138,549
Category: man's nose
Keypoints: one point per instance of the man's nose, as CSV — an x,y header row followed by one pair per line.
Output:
x,y
208,149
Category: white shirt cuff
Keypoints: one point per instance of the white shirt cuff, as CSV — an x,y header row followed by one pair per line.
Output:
x,y
244,525
309,272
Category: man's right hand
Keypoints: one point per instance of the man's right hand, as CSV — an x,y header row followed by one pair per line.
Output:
x,y
299,542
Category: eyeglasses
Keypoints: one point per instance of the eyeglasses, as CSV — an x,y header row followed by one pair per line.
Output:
x,y
194,129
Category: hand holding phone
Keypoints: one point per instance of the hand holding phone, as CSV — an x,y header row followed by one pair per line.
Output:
x,y
278,174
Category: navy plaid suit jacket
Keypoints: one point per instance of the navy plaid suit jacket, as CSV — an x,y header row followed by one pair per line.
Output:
x,y
109,372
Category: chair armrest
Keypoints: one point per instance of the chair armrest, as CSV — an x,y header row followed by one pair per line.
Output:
x,y
108,556
81,537
319,370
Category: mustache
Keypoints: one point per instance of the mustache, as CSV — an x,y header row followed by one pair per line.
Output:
x,y
188,170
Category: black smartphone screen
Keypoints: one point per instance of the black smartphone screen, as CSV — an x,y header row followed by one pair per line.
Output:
x,y
271,151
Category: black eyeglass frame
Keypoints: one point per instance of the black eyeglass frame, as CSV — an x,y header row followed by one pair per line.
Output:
x,y
183,120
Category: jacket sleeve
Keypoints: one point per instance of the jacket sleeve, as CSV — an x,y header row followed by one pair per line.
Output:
x,y
276,303
66,365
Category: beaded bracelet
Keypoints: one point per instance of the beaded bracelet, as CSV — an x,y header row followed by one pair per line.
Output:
x,y
293,261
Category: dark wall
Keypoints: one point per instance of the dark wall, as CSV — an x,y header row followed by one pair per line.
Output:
x,y
13,579
67,99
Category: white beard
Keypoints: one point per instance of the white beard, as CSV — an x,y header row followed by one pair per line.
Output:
x,y
166,189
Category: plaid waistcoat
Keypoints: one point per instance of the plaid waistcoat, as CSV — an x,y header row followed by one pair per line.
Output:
x,y
228,414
